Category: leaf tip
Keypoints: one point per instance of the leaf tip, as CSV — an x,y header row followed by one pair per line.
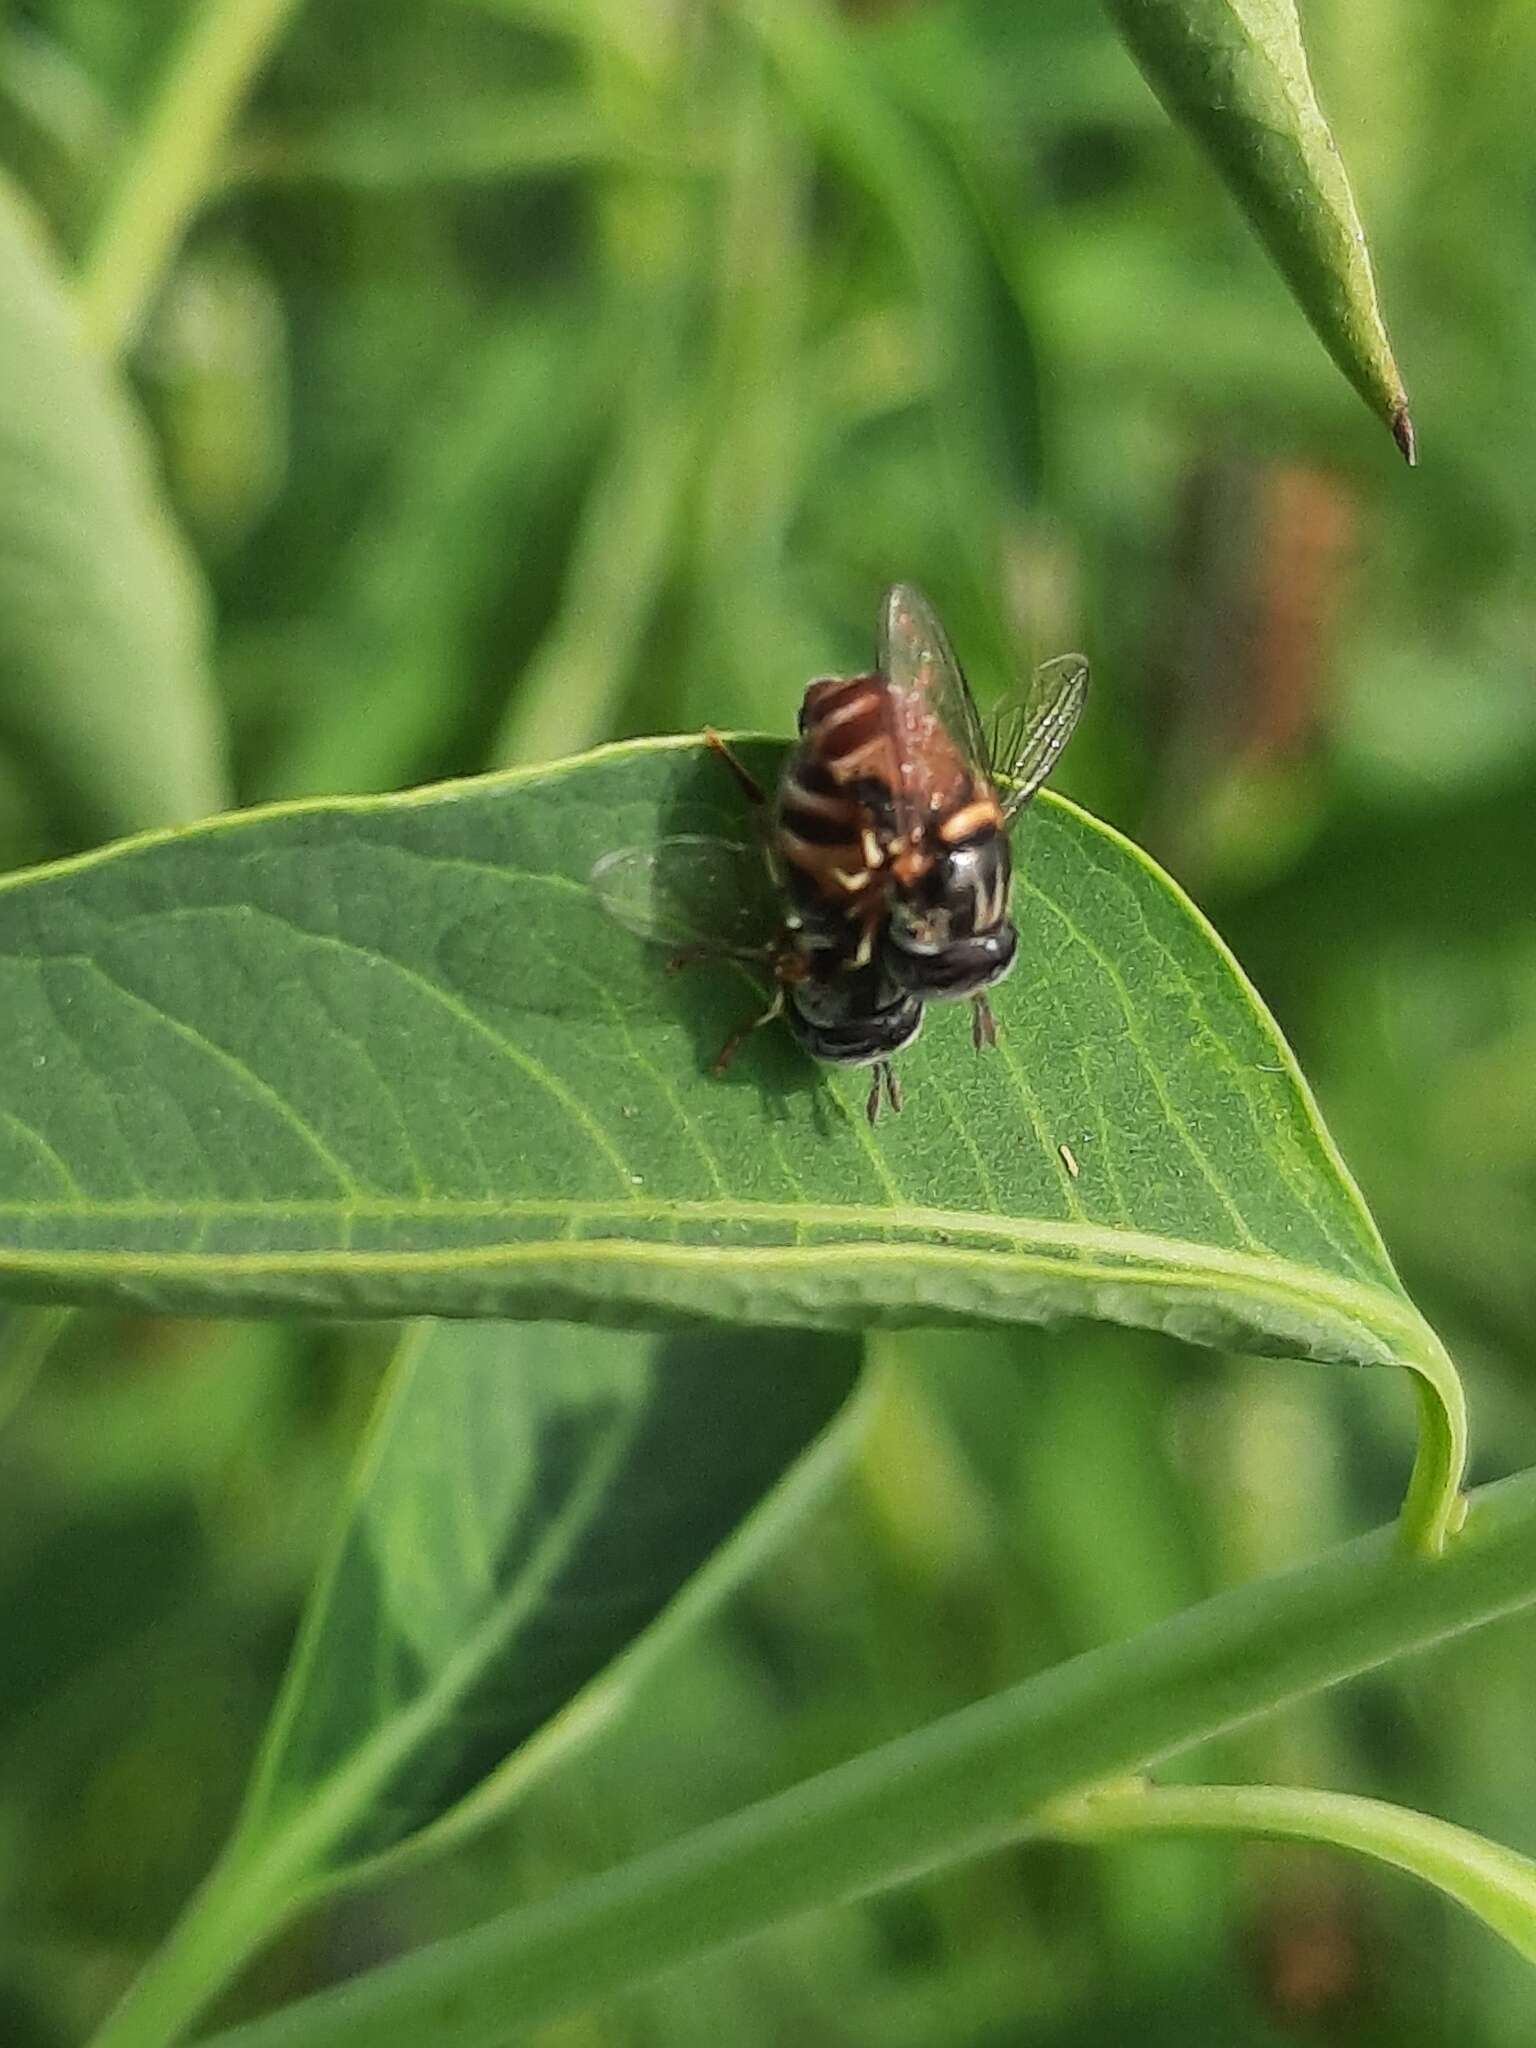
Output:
x,y
1403,434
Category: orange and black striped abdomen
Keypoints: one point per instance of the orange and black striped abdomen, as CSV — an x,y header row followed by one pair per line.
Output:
x,y
849,725
889,748
875,800
827,820
827,849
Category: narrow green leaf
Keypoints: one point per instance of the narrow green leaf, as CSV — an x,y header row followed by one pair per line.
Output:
x,y
1488,1879
1234,72
531,133
388,1056
964,1786
529,1502
570,692
103,677
825,77
170,165
532,1497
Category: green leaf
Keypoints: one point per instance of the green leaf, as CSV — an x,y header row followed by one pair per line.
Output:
x,y
1234,72
388,1056
966,1785
172,161
571,690
103,679
490,139
532,1498
529,1502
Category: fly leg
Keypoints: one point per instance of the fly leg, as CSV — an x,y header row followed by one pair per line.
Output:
x,y
751,787
690,956
885,1078
789,966
983,1023
775,959
755,956
737,1039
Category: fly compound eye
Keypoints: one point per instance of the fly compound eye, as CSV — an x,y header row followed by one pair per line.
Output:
x,y
971,886
963,968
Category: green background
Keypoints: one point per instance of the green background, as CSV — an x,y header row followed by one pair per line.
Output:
x,y
548,372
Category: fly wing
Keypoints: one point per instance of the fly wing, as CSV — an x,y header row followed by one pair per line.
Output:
x,y
690,892
917,660
1030,728
937,734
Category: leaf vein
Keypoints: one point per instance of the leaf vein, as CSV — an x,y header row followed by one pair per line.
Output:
x,y
46,1151
239,1067
1300,1185
1174,1115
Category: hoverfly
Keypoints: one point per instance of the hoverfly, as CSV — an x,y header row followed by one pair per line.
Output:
x,y
887,843
706,898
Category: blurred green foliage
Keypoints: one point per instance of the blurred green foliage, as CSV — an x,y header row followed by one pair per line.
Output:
x,y
545,370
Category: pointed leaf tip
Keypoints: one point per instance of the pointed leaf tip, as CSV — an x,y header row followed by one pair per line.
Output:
x,y
1404,436
1235,74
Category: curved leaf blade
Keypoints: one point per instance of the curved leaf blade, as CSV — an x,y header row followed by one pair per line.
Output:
x,y
528,1508
1234,72
103,661
531,1499
387,1056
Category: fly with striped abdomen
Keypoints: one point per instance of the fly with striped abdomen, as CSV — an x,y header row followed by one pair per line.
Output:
x,y
894,809
887,839
703,898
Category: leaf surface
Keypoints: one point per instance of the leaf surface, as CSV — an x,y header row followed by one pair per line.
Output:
x,y
529,1502
104,685
388,1056
531,1499
1234,72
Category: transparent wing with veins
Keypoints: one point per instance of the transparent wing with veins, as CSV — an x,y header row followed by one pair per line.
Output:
x,y
1030,727
916,659
1017,749
691,893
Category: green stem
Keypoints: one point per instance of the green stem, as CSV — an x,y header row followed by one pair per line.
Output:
x,y
958,1788
173,162
1434,1504
1489,1880
237,1909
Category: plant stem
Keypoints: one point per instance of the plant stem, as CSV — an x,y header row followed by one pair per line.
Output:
x,y
222,47
238,1908
1488,1879
963,1786
1433,1506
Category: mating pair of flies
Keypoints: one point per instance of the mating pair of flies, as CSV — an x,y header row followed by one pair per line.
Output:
x,y
887,845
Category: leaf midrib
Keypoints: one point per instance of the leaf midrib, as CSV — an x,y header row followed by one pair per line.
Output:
x,y
1135,1255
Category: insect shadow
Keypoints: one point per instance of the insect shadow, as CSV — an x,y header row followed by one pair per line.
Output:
x,y
703,898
